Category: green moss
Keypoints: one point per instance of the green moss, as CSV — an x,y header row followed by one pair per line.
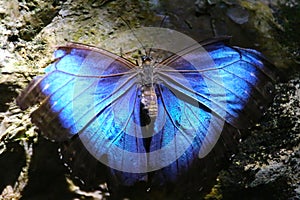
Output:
x,y
215,192
266,28
289,18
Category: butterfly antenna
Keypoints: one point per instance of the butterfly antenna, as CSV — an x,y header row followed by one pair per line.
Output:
x,y
137,38
121,52
161,24
163,21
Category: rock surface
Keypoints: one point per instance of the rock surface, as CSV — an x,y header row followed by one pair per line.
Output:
x,y
267,165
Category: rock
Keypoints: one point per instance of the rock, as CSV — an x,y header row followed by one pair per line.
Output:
x,y
268,162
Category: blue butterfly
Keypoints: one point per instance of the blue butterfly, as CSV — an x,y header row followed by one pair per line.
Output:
x,y
158,118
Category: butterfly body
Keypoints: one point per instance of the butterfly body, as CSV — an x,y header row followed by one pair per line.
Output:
x,y
149,100
147,80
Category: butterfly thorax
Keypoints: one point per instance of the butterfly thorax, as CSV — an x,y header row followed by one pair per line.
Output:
x,y
148,98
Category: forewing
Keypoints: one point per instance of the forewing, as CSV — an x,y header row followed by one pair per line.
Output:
x,y
239,81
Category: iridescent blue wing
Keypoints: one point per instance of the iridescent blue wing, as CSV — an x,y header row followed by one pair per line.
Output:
x,y
200,91
94,94
91,93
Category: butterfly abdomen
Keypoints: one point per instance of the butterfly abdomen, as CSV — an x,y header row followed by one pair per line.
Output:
x,y
149,100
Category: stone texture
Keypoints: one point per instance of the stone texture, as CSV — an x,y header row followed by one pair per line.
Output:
x,y
267,165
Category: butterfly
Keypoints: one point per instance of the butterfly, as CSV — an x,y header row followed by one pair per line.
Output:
x,y
156,118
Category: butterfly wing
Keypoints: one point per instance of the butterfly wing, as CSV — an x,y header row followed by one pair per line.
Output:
x,y
91,93
200,93
94,94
